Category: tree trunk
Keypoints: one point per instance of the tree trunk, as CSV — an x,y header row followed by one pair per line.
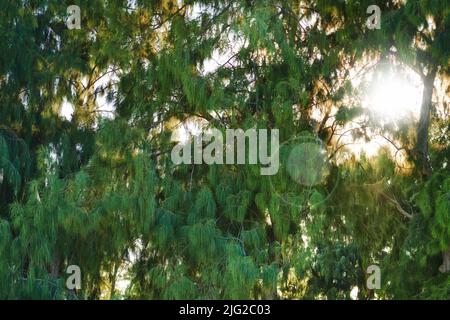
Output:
x,y
113,279
445,267
55,266
423,158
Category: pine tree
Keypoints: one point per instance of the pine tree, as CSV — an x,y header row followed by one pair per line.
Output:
x,y
98,188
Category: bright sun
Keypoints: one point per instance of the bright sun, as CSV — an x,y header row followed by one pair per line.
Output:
x,y
395,96
392,94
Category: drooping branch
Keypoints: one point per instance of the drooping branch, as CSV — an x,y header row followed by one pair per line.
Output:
x,y
397,205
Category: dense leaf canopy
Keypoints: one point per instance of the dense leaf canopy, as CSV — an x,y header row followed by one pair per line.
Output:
x,y
86,123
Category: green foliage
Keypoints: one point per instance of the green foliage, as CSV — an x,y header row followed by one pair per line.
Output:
x,y
98,188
